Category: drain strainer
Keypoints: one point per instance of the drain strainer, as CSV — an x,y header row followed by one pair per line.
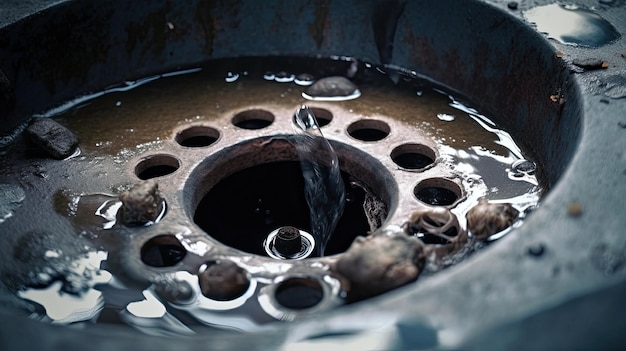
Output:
x,y
189,194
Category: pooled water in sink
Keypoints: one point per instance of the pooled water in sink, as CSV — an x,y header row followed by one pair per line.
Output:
x,y
571,24
120,124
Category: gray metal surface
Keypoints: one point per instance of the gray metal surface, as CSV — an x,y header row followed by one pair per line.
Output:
x,y
503,298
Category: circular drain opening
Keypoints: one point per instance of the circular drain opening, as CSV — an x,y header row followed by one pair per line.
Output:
x,y
241,194
413,156
438,192
369,130
197,136
299,293
253,119
156,166
162,251
245,207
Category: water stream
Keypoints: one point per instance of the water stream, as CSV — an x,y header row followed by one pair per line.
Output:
x,y
323,186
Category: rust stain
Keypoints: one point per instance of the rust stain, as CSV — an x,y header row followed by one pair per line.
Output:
x,y
205,17
148,35
317,28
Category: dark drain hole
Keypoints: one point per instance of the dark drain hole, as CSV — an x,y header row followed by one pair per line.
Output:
x,y
413,156
197,136
245,207
299,293
437,192
436,196
156,166
369,130
253,119
162,251
433,239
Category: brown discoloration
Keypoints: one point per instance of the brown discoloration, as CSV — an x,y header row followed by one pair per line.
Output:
x,y
575,209
148,36
317,28
486,218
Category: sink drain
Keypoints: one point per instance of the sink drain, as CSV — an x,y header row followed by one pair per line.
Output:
x,y
234,245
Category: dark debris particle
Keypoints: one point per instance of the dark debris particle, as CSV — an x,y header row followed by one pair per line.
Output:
x,y
536,250
575,209
590,63
622,124
53,138
512,5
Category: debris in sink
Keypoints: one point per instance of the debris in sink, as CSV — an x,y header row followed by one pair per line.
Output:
x,y
380,263
590,63
575,209
488,218
334,88
53,138
142,204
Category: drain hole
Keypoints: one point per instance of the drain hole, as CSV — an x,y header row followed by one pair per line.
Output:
x,y
270,196
253,119
413,156
324,117
197,136
433,239
162,251
299,293
437,192
369,130
156,166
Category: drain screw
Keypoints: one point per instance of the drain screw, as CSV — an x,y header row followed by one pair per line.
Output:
x,y
223,281
288,241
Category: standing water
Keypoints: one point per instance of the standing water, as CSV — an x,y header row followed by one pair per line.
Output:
x,y
572,25
415,130
323,187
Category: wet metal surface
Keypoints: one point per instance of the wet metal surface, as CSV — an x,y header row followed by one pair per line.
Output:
x,y
570,119
233,201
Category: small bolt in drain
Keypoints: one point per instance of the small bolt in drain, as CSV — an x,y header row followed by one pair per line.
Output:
x,y
289,243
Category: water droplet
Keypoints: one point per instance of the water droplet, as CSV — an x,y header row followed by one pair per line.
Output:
x,y
523,166
284,77
231,77
11,197
304,79
445,117
572,25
